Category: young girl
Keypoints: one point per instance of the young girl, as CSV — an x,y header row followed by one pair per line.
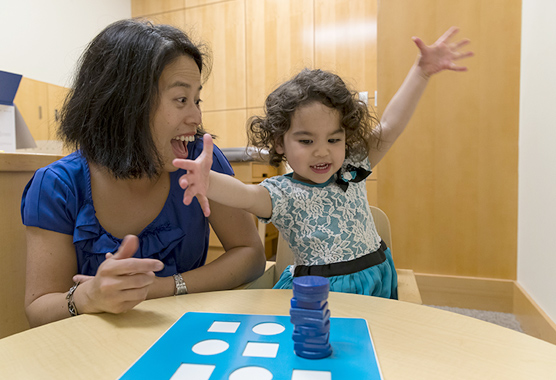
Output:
x,y
330,140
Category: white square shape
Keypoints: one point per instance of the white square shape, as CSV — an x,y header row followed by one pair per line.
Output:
x,y
300,374
261,350
188,371
224,327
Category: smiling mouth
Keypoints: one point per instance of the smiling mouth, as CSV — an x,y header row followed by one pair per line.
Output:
x,y
179,145
321,168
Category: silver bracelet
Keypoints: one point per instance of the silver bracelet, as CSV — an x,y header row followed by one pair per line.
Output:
x,y
71,305
181,288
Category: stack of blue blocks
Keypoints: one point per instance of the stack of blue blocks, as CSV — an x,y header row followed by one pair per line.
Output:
x,y
311,317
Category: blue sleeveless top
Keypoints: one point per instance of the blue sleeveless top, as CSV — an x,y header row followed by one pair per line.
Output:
x,y
58,198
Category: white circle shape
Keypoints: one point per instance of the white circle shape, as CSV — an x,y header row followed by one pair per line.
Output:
x,y
210,347
250,373
268,328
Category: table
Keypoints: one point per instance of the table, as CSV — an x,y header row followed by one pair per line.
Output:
x,y
412,341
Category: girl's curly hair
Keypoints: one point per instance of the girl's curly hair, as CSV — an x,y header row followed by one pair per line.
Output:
x,y
265,132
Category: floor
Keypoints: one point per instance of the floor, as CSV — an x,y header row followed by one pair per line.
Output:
x,y
503,319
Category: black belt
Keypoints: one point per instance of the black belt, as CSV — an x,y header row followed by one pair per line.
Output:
x,y
345,267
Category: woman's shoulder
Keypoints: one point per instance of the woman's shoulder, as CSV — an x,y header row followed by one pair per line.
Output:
x,y
72,168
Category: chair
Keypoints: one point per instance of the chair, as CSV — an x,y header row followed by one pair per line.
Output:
x,y
407,285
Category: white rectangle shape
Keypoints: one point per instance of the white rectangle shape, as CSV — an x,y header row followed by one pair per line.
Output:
x,y
188,371
261,350
299,374
225,327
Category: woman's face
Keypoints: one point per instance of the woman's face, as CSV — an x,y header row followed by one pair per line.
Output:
x,y
175,120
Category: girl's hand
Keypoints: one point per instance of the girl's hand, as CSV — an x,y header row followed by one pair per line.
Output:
x,y
442,54
196,181
121,281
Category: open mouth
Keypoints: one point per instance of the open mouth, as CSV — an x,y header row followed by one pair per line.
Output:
x,y
321,168
179,145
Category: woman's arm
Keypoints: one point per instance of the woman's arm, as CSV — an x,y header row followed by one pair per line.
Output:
x,y
203,183
431,60
120,283
244,259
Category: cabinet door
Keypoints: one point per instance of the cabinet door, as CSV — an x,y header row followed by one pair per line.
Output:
x,y
222,27
228,126
174,18
56,98
279,43
148,7
32,101
346,41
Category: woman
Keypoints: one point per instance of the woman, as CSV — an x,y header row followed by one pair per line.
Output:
x,y
101,221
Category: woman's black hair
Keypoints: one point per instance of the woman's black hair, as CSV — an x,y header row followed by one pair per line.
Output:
x,y
107,113
309,86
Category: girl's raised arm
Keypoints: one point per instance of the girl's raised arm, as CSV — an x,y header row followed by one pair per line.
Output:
x,y
203,183
431,60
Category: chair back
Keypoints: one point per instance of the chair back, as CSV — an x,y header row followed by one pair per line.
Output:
x,y
284,255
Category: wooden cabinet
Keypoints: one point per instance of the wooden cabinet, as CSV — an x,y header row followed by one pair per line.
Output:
x,y
279,43
148,7
32,101
40,104
16,169
56,97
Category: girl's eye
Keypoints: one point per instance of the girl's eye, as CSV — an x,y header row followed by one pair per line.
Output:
x,y
305,142
334,141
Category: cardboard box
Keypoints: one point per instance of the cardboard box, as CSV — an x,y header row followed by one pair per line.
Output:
x,y
14,133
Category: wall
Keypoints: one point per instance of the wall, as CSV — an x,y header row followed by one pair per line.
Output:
x,y
42,40
449,184
537,158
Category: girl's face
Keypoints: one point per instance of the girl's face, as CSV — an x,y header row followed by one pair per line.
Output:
x,y
175,120
315,144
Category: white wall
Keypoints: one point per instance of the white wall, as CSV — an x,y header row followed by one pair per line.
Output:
x,y
42,39
536,269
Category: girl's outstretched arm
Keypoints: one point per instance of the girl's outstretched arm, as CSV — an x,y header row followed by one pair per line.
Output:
x,y
203,183
431,60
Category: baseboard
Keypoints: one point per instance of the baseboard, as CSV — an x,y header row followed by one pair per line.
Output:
x,y
466,292
532,318
489,294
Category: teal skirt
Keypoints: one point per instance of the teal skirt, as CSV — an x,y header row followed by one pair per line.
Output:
x,y
379,280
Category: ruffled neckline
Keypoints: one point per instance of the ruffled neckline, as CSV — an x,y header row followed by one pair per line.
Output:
x,y
156,239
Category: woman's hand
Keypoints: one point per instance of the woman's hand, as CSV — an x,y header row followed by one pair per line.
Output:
x,y
442,54
196,181
121,281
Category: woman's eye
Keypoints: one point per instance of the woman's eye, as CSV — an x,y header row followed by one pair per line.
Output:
x,y
182,100
198,102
